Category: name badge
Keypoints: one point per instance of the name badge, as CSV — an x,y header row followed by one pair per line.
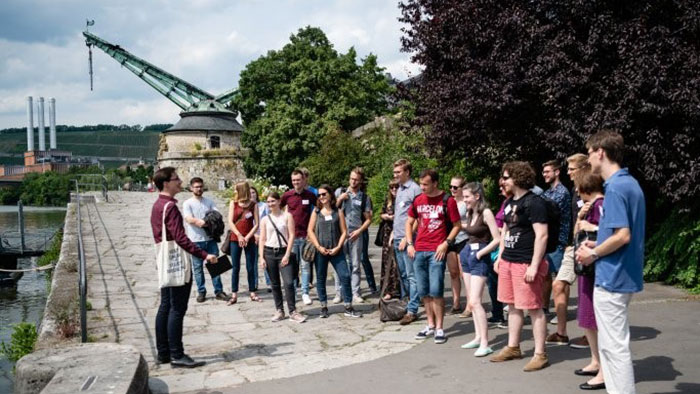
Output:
x,y
357,202
304,202
507,210
433,215
328,217
474,246
249,215
403,204
579,203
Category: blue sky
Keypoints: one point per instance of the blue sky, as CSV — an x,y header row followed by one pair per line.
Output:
x,y
205,42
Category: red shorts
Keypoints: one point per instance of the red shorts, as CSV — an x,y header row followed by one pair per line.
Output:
x,y
512,288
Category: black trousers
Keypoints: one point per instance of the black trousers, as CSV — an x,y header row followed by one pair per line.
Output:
x,y
273,259
171,313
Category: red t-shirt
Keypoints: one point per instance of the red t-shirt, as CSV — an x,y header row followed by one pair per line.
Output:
x,y
244,219
432,229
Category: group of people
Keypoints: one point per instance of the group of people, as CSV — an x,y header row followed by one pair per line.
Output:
x,y
537,243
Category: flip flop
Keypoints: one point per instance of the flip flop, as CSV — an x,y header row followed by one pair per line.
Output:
x,y
255,298
232,301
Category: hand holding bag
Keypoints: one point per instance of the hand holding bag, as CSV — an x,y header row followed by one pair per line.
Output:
x,y
174,264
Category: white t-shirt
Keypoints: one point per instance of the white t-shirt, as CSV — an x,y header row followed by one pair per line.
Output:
x,y
462,235
271,236
197,209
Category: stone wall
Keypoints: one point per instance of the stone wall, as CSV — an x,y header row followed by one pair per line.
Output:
x,y
211,169
185,141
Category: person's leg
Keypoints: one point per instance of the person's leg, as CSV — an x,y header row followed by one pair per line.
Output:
x,y
429,312
342,272
273,270
162,315
355,260
305,274
179,297
515,325
455,279
401,263
561,297
539,329
436,280
547,292
413,297
496,306
592,337
463,260
611,313
288,275
236,252
366,264
212,248
251,267
480,323
255,262
321,275
198,269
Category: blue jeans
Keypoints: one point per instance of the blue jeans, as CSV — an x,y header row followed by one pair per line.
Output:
x,y
555,259
408,279
341,270
198,267
251,265
430,275
366,264
298,249
169,318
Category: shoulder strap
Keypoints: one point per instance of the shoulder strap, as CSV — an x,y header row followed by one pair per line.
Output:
x,y
163,232
363,205
279,234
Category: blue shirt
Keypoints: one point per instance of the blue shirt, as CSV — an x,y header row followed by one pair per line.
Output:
x,y
404,198
623,207
561,196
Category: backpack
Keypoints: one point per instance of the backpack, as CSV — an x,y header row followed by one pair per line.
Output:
x,y
553,222
363,205
445,198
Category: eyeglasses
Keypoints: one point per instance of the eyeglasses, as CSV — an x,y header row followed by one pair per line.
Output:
x,y
177,178
505,177
393,187
453,187
322,194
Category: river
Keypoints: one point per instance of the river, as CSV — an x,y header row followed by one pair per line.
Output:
x,y
26,302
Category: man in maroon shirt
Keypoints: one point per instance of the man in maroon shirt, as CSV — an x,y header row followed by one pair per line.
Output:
x,y
173,300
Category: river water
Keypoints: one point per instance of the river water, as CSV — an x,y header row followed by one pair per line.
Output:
x,y
25,302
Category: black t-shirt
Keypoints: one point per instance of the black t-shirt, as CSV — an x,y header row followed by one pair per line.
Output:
x,y
520,214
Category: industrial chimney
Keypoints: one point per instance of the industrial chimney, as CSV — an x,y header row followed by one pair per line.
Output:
x,y
52,123
40,117
30,124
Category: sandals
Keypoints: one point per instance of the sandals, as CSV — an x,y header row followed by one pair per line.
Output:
x,y
233,300
255,298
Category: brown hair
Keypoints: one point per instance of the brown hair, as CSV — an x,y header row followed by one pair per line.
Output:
x,y
610,141
331,196
274,195
359,171
196,180
163,175
578,159
588,182
242,192
404,164
434,177
552,163
521,172
389,197
460,179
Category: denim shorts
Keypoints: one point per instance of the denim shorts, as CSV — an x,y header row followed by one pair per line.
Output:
x,y
554,259
430,275
472,265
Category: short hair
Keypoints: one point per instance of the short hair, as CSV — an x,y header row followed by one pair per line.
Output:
x,y
331,196
163,175
555,164
610,141
359,171
304,171
297,171
578,159
274,195
434,177
460,179
521,172
196,180
588,182
404,164
242,192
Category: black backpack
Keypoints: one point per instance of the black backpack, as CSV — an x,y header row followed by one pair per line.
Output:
x,y
553,222
445,198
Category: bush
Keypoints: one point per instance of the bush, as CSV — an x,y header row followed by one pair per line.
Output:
x,y
51,255
22,342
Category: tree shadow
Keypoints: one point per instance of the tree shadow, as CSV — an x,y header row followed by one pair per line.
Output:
x,y
685,388
640,333
654,369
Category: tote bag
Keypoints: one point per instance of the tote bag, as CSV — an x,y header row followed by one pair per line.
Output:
x,y
174,264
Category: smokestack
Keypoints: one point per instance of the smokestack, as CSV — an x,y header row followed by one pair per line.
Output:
x,y
40,117
52,123
30,124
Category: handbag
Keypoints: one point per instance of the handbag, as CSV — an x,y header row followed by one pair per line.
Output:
x,y
581,237
222,265
379,238
173,263
393,309
308,253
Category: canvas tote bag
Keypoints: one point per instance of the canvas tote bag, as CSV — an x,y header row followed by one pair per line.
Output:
x,y
174,264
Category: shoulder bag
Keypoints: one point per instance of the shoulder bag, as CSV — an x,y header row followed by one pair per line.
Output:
x,y
173,263
292,256
226,246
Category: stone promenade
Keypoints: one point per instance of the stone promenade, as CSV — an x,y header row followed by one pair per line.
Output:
x,y
238,342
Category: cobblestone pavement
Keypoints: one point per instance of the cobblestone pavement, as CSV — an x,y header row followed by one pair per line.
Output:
x,y
238,342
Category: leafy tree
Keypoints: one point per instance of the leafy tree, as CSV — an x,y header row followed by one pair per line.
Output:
x,y
291,98
533,79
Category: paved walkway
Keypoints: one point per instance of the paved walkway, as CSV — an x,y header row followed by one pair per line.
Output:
x,y
239,342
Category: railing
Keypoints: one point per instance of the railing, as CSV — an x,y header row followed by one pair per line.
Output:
x,y
82,284
92,182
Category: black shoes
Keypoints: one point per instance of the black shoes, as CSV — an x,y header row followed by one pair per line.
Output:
x,y
581,372
163,359
586,386
201,297
186,362
324,312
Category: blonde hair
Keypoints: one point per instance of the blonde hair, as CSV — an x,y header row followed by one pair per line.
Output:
x,y
242,192
578,159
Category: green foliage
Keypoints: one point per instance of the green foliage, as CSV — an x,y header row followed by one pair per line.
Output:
x,y
47,189
673,251
291,98
339,152
54,251
22,342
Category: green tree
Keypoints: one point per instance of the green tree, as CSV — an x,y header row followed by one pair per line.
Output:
x,y
291,98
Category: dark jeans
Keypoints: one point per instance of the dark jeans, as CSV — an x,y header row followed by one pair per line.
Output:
x,y
171,313
251,265
366,264
492,283
273,259
341,270
198,267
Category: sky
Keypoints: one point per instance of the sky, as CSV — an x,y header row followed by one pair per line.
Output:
x,y
204,42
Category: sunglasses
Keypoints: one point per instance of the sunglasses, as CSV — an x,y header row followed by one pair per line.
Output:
x,y
322,194
453,187
393,187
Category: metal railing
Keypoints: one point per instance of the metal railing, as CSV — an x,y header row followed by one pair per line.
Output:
x,y
92,182
82,270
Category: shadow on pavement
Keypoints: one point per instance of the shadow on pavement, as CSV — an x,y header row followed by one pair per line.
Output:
x,y
685,388
656,368
638,333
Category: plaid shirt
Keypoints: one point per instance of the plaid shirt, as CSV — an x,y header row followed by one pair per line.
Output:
x,y
561,196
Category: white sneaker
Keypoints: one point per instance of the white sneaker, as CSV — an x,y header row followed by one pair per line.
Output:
x,y
306,299
337,299
554,320
356,299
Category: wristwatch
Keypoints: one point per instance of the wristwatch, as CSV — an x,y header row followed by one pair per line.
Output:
x,y
409,243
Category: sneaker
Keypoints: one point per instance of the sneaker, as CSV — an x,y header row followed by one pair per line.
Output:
x,y
499,323
201,297
279,315
408,318
538,361
483,351
506,354
556,339
440,337
473,344
222,296
579,343
424,333
306,299
337,299
351,312
324,312
356,299
297,317
505,309
554,320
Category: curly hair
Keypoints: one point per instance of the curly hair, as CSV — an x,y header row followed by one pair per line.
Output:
x,y
521,172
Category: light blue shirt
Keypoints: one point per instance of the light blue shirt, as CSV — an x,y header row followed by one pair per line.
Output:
x,y
623,207
404,198
197,209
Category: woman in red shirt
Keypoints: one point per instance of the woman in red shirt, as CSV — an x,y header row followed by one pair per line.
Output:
x,y
243,221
